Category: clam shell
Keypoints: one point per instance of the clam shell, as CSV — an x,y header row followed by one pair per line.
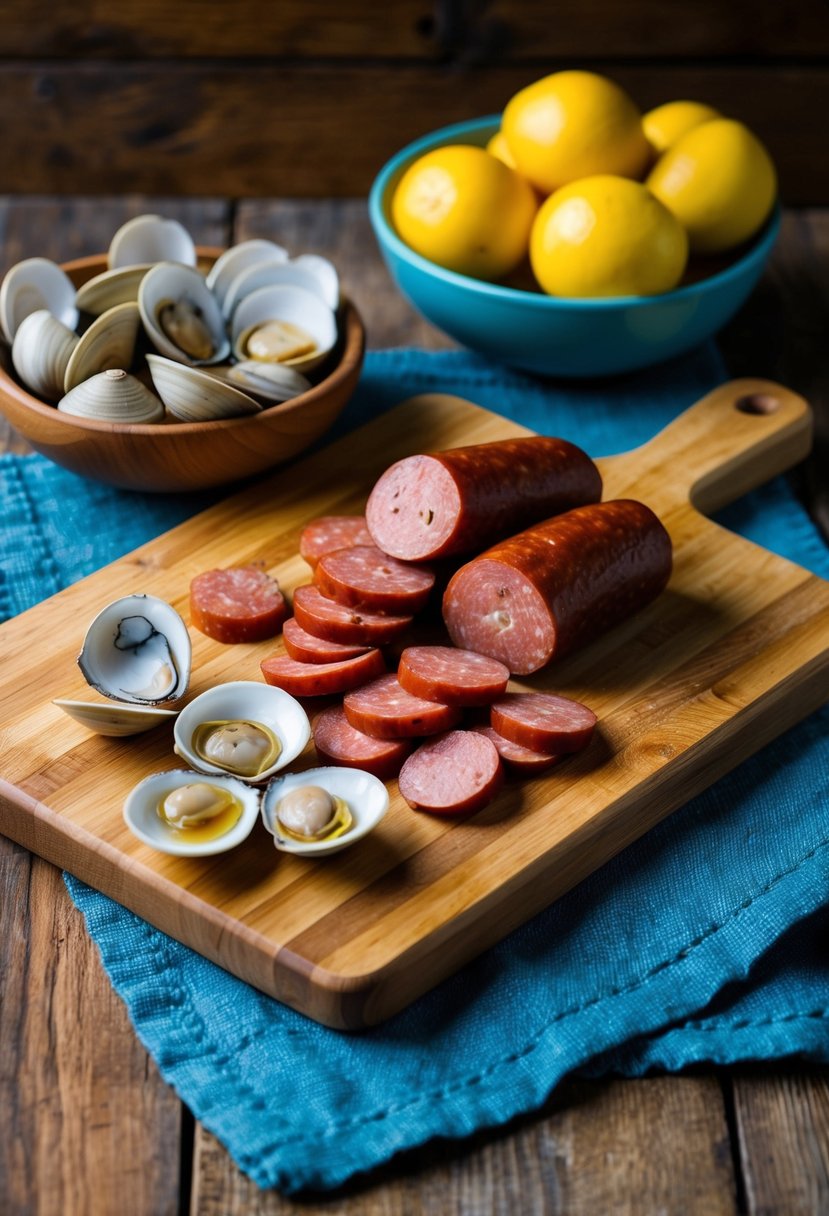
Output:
x,y
41,352
112,287
238,258
326,275
286,303
170,282
366,795
34,285
142,818
112,396
108,343
115,721
137,649
148,239
270,274
273,382
192,395
242,700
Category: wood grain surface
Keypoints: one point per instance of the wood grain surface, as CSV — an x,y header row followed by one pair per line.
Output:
x,y
766,1130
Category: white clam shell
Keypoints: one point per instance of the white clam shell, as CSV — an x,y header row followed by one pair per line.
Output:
x,y
108,343
110,288
124,671
33,285
273,382
142,818
366,795
112,396
115,721
192,395
170,282
148,239
244,700
286,303
326,275
238,258
271,274
41,352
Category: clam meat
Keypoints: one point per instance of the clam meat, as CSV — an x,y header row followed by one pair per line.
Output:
x,y
322,810
243,748
190,815
308,812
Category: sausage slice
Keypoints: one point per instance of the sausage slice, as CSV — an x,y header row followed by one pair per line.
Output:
x,y
306,648
384,710
455,677
332,532
338,742
365,577
336,623
321,679
238,605
543,722
454,774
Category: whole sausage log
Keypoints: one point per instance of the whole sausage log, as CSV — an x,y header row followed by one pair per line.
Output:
x,y
555,587
431,506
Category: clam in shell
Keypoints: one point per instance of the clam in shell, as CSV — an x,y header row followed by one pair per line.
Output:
x,y
181,316
192,395
271,382
108,343
35,285
113,396
115,720
239,258
110,288
240,702
137,650
148,239
310,327
41,352
237,811
364,795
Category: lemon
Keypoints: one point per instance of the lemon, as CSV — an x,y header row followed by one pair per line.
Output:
x,y
606,236
466,210
572,125
499,147
666,124
719,182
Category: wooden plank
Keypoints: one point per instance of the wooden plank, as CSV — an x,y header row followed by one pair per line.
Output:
x,y
783,1128
86,1124
625,1147
153,29
199,129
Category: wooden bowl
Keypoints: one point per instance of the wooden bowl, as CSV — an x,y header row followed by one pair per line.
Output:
x,y
169,456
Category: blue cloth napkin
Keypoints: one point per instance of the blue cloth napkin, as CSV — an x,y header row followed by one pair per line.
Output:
x,y
704,941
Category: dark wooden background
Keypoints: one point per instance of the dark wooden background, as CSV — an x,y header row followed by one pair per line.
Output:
x,y
309,97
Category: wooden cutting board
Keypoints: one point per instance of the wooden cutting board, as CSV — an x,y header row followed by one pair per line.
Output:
x,y
733,653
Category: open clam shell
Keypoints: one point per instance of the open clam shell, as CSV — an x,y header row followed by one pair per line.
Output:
x,y
108,343
111,288
113,396
148,239
181,316
137,650
365,795
41,352
294,305
143,820
243,701
34,285
325,273
192,395
271,274
115,721
238,258
272,382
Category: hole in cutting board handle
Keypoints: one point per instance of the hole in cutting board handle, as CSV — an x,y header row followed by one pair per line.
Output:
x,y
758,403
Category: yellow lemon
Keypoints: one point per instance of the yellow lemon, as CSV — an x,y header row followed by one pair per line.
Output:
x,y
572,125
499,147
720,183
465,210
666,124
606,236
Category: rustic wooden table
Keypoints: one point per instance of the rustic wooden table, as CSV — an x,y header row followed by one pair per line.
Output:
x,y
87,1127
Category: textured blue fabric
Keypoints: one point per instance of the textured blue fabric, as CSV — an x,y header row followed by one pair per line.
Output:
x,y
704,941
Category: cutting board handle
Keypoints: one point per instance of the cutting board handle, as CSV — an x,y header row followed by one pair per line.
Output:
x,y
736,438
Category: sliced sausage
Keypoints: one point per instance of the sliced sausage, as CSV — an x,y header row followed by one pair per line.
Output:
x,y
459,501
332,532
455,677
365,577
456,773
321,679
543,722
519,758
555,587
384,710
238,605
338,742
306,648
352,626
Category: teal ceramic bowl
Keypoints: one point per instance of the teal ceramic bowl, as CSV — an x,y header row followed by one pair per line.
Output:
x,y
549,335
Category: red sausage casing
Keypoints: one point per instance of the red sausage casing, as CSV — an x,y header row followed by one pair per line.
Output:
x,y
459,501
555,587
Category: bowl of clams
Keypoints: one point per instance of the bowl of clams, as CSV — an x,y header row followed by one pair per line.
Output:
x,y
165,367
